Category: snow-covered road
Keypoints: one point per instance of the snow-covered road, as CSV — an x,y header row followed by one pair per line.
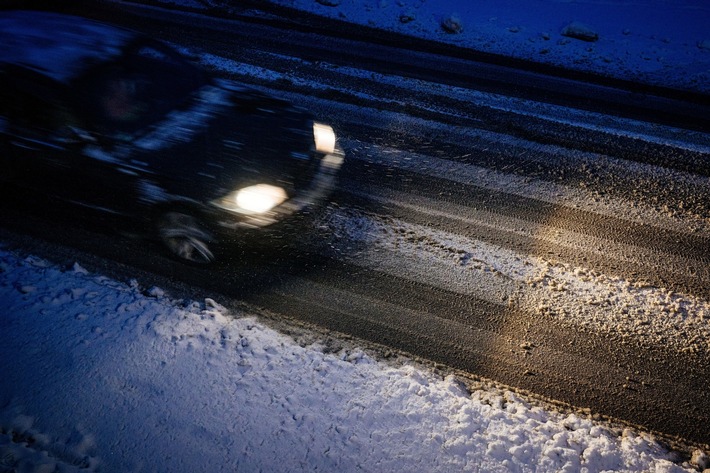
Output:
x,y
112,376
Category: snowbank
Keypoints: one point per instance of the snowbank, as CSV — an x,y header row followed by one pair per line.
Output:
x,y
100,375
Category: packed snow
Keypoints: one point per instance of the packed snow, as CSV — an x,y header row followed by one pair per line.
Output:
x,y
110,376
104,375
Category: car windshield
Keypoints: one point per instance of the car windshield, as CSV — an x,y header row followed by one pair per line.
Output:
x,y
137,89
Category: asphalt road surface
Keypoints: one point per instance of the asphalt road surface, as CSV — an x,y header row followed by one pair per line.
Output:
x,y
513,223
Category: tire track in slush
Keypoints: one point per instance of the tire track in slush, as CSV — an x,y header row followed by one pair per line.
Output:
x,y
531,208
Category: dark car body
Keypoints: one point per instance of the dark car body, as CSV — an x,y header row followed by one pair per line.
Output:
x,y
108,118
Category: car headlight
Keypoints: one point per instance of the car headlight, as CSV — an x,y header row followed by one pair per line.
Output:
x,y
256,199
324,138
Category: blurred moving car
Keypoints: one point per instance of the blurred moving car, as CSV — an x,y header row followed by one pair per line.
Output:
x,y
108,118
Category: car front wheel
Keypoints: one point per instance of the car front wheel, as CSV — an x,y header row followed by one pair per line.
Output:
x,y
185,238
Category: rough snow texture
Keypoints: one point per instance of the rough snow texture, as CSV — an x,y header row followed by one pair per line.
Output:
x,y
99,375
580,31
654,41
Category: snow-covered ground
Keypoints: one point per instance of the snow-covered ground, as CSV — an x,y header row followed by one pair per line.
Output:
x,y
105,375
662,42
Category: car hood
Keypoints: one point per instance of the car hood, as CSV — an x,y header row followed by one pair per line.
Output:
x,y
227,138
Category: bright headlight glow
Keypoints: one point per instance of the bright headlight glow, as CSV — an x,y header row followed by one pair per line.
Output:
x,y
325,138
259,198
